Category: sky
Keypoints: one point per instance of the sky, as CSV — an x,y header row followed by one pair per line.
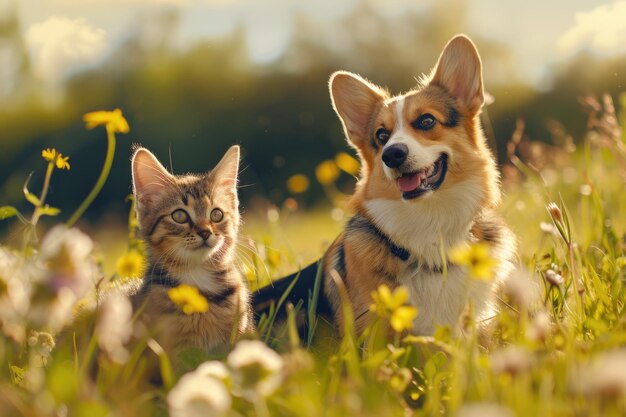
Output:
x,y
63,35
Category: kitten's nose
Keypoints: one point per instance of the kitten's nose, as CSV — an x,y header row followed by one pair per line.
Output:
x,y
203,231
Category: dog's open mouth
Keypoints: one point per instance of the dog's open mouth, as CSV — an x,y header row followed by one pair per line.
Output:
x,y
414,184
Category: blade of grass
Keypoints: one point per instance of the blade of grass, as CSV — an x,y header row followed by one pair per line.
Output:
x,y
313,298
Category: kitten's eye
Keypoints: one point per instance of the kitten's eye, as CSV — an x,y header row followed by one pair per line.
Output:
x,y
216,215
382,135
180,216
425,122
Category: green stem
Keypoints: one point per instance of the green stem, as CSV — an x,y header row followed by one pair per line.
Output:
x,y
42,198
87,358
46,184
44,192
106,169
579,291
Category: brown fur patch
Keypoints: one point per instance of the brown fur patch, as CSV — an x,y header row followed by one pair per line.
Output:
x,y
453,96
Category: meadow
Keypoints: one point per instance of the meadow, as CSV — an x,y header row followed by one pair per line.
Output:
x,y
558,347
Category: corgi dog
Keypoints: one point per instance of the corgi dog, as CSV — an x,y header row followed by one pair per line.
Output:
x,y
428,184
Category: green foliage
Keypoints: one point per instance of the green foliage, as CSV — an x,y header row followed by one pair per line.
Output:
x,y
7,212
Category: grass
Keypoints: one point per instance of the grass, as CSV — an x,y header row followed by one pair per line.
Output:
x,y
558,348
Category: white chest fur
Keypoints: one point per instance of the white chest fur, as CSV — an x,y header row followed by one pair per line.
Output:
x,y
202,278
441,298
437,223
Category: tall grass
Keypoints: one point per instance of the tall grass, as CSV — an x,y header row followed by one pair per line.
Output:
x,y
558,345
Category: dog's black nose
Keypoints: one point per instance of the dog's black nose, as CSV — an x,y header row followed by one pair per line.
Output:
x,y
395,155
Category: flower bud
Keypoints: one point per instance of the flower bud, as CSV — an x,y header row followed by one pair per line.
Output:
x,y
555,212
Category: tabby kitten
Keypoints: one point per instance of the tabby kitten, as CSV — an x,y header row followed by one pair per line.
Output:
x,y
190,225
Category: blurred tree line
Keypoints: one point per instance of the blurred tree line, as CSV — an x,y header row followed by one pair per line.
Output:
x,y
192,104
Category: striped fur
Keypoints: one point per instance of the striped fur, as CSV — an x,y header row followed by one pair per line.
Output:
x,y
198,251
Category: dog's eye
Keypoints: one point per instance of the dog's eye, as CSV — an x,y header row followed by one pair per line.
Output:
x,y
382,135
217,215
180,216
425,122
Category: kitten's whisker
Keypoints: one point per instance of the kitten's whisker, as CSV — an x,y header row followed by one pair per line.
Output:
x,y
171,163
262,263
247,240
245,264
157,262
246,253
245,256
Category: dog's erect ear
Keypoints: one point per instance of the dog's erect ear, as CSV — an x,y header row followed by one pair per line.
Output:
x,y
149,176
355,99
459,71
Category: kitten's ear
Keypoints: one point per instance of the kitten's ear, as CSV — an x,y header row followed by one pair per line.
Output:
x,y
355,99
226,170
149,177
459,71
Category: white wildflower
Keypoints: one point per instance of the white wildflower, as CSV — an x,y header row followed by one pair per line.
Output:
x,y
511,360
521,289
66,253
114,326
61,311
67,272
12,279
214,369
198,395
256,369
554,278
484,410
604,377
14,294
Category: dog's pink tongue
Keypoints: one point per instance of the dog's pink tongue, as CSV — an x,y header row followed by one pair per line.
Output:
x,y
409,182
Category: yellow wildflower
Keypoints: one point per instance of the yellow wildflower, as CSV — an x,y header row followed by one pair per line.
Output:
x,y
386,301
402,318
477,258
400,379
298,183
57,158
327,172
392,305
62,162
189,299
112,120
347,163
130,265
49,154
